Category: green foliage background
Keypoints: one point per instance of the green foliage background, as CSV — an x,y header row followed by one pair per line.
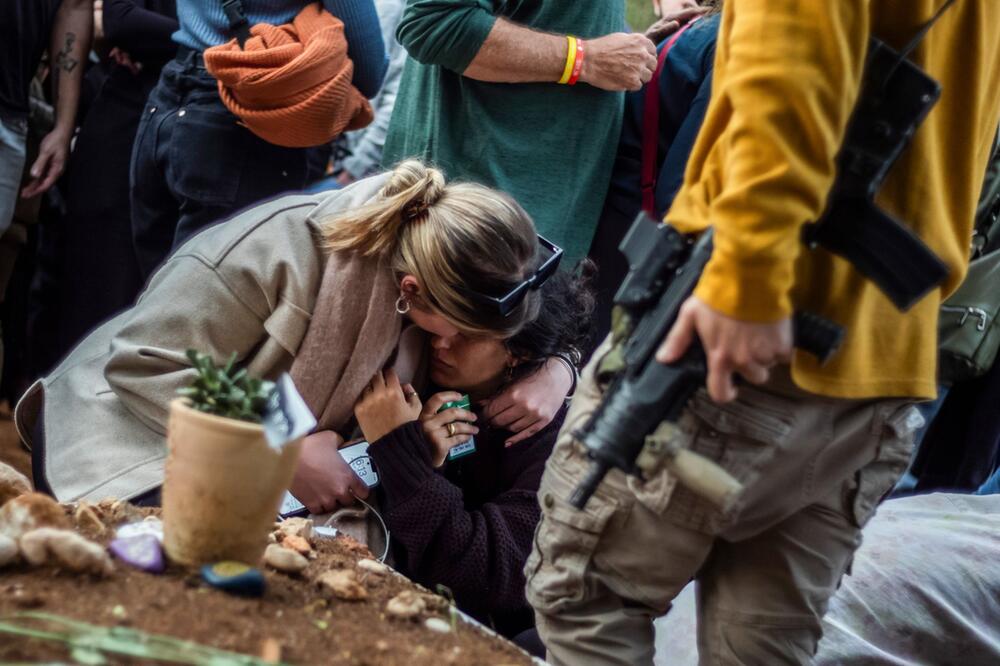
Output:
x,y
639,14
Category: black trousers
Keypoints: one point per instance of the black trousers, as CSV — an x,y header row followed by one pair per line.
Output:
x,y
194,164
87,271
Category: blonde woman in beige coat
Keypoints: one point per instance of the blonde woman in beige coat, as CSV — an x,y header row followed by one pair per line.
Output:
x,y
319,286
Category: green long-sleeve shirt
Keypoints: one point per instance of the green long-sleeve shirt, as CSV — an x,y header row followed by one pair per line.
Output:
x,y
550,146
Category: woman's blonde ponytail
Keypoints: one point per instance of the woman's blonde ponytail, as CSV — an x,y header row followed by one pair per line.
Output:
x,y
453,237
375,227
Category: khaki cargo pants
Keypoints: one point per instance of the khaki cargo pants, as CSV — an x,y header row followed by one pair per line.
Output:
x,y
814,470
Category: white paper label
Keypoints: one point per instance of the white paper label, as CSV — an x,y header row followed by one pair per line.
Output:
x,y
462,450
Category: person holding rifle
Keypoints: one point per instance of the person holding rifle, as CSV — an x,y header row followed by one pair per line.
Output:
x,y
815,446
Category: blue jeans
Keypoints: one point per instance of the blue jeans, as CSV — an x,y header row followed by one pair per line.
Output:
x,y
13,139
193,163
928,410
992,485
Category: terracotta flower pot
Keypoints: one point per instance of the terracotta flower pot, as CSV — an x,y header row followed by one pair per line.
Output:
x,y
222,488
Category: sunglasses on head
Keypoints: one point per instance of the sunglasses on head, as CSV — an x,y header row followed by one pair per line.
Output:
x,y
507,303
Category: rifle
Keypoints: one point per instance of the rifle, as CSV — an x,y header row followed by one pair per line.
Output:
x,y
634,429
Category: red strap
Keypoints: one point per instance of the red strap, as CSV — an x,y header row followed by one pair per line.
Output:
x,y
651,128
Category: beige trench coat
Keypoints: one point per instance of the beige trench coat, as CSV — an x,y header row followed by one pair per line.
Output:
x,y
247,285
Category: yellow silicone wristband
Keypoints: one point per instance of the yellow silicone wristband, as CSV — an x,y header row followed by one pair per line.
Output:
x,y
570,58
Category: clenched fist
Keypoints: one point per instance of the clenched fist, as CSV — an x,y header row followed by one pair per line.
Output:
x,y
619,61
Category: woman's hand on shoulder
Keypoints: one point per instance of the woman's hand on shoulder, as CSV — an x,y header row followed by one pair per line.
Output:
x,y
528,405
435,425
385,405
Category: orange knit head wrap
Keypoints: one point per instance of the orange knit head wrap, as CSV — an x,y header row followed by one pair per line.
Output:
x,y
291,84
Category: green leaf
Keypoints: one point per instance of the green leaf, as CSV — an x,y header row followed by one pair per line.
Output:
x,y
230,363
87,643
87,656
226,391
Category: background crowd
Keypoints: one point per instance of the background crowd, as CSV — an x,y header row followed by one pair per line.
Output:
x,y
117,147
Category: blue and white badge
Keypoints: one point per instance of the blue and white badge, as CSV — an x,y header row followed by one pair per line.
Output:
x,y
462,450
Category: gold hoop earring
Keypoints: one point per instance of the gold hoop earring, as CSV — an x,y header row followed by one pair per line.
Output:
x,y
402,305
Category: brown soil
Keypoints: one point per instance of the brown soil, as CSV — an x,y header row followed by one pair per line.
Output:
x,y
11,451
310,626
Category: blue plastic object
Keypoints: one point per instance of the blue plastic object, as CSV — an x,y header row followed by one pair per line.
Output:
x,y
235,578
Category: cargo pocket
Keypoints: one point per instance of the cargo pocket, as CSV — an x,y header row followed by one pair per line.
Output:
x,y
565,541
894,427
742,437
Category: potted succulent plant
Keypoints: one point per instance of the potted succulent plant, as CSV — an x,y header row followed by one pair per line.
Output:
x,y
223,482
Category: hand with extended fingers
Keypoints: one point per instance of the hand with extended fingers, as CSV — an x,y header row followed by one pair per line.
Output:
x,y
732,346
672,20
385,405
528,405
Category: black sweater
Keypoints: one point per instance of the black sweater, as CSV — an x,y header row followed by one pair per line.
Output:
x,y
469,525
142,28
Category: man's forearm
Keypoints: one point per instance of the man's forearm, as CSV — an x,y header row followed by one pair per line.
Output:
x,y
515,54
71,37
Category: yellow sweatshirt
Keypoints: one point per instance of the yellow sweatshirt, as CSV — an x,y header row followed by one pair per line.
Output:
x,y
787,73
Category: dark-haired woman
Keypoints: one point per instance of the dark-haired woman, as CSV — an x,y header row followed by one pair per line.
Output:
x,y
467,523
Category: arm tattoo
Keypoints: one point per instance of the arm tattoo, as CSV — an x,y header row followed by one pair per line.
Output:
x,y
64,58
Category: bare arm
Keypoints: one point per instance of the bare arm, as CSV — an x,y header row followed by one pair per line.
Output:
x,y
515,54
70,43
68,50
468,37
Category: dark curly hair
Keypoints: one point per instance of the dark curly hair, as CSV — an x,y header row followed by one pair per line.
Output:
x,y
563,325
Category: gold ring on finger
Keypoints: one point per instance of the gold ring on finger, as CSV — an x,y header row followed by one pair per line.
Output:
x,y
451,429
